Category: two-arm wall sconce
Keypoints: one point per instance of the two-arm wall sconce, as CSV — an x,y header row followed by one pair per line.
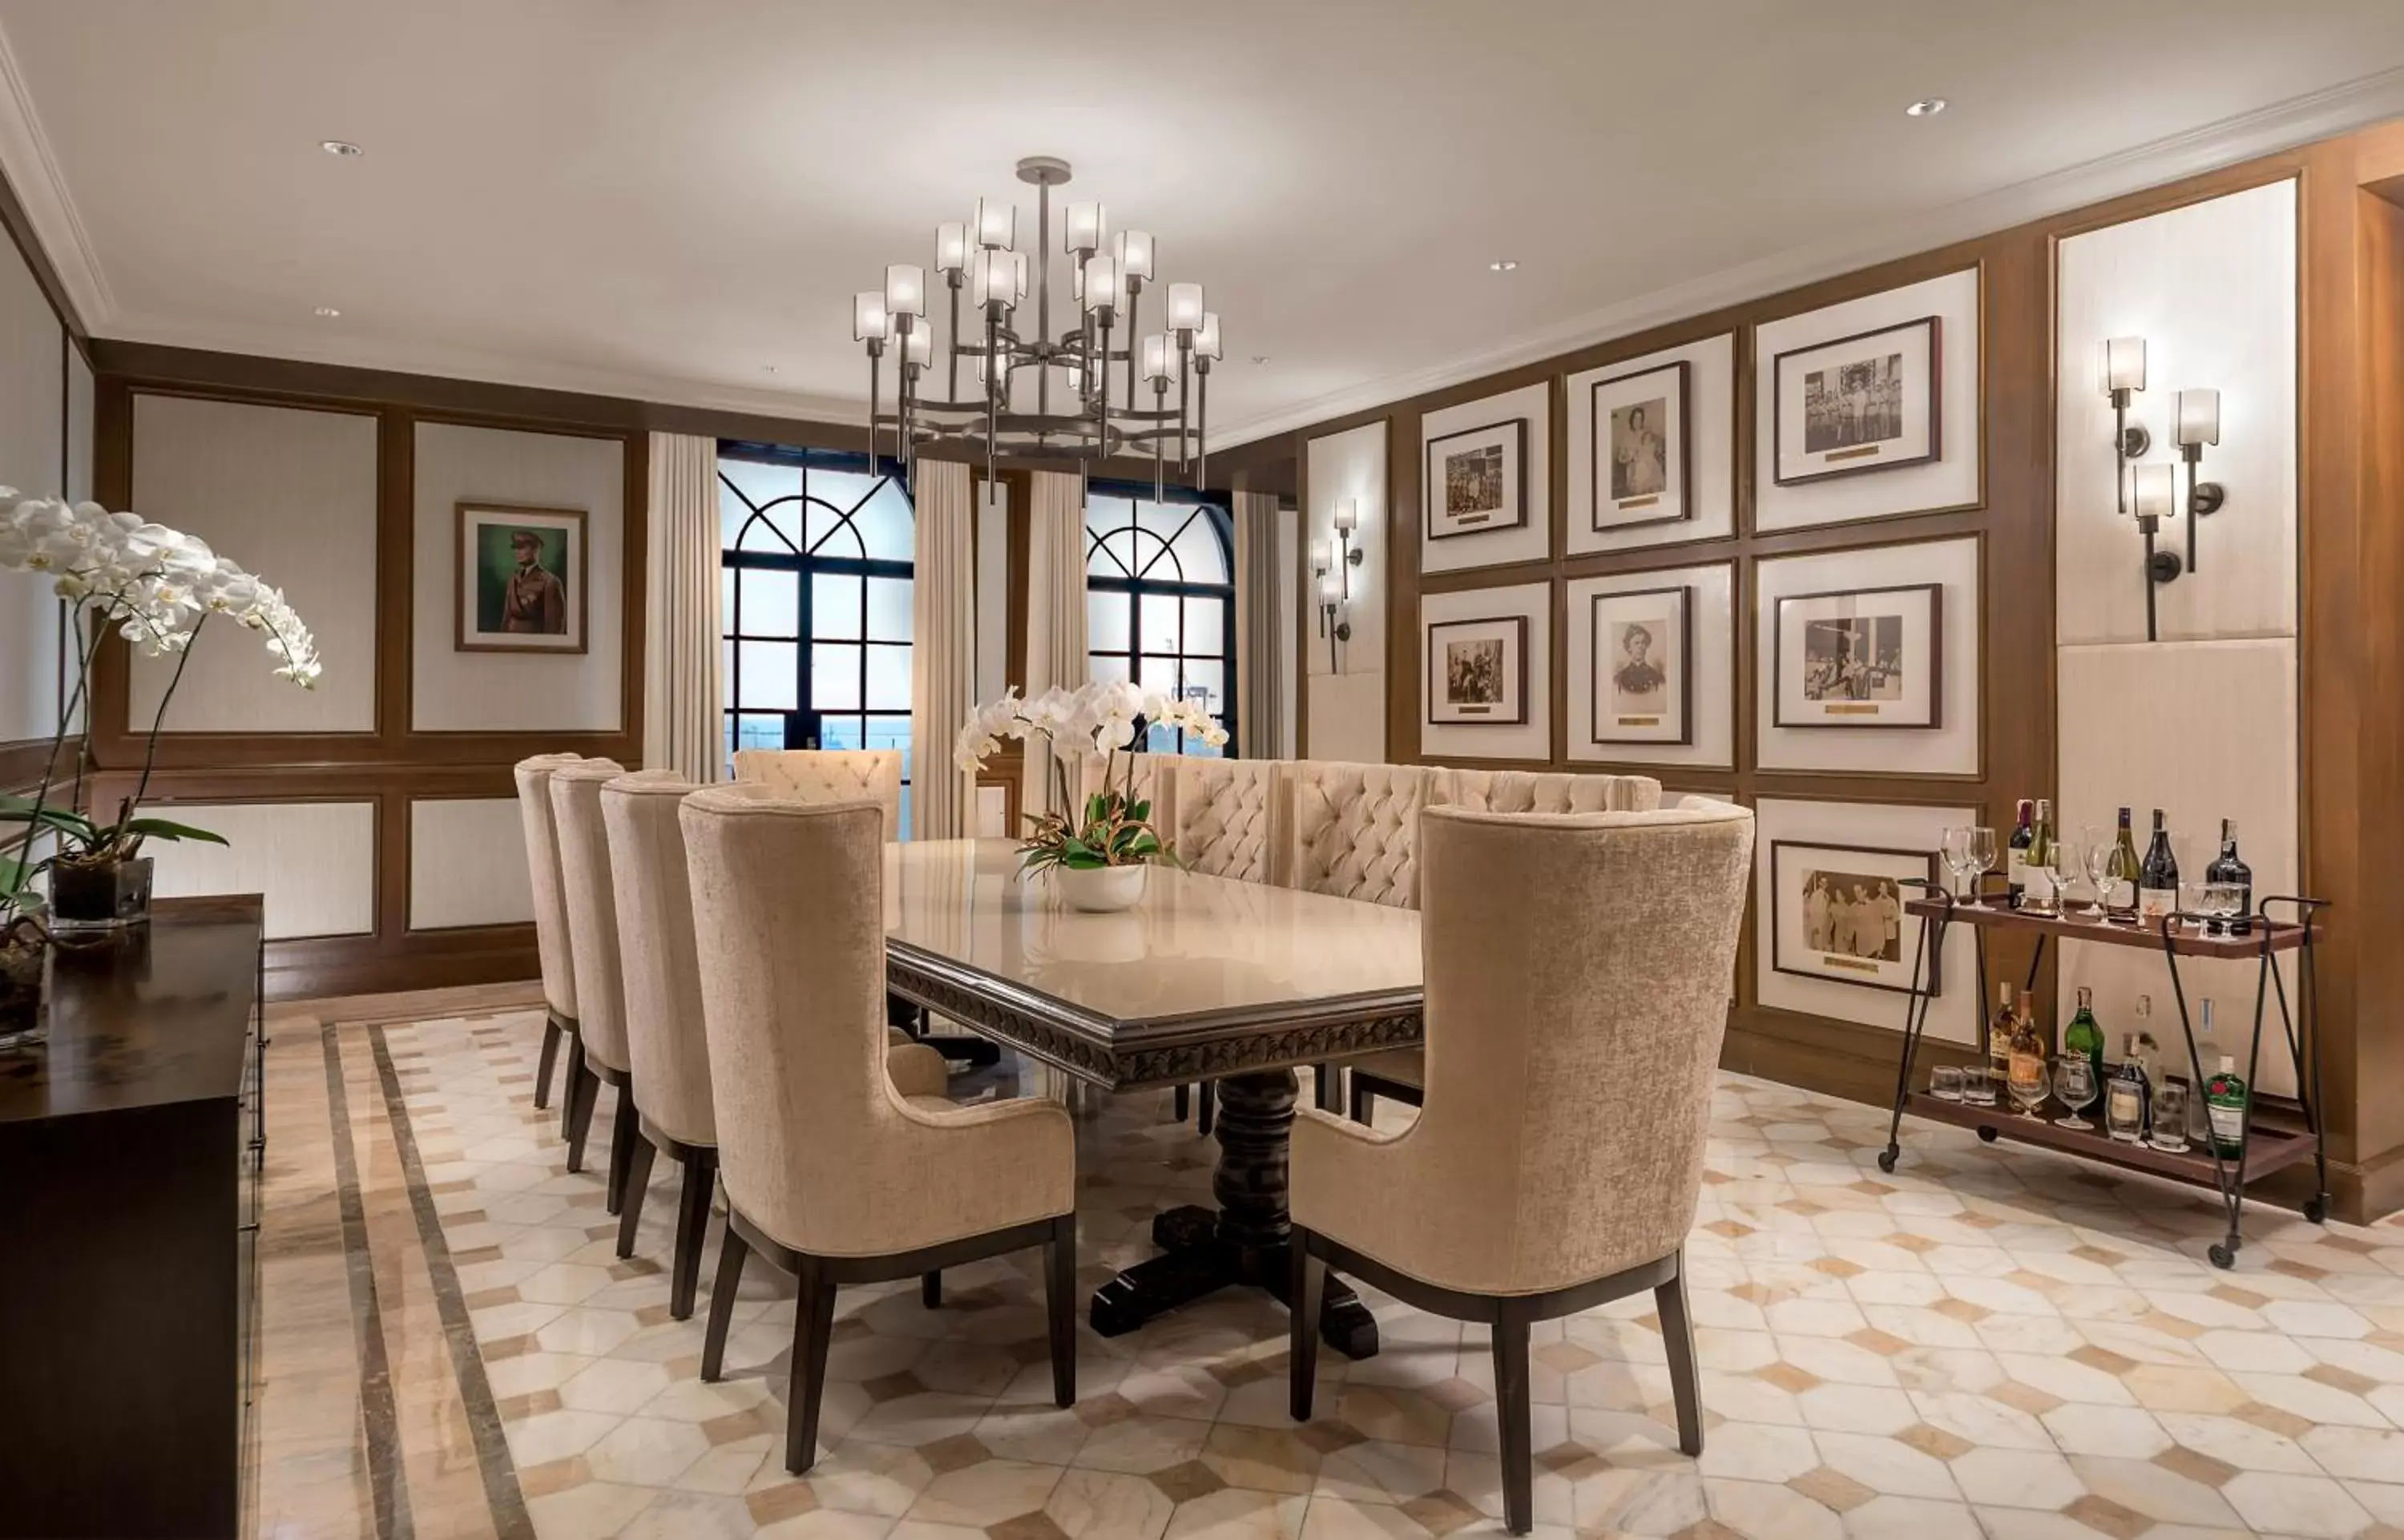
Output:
x,y
2153,489
2197,414
1332,565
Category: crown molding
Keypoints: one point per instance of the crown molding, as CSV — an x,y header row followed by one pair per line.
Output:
x,y
41,189
2284,125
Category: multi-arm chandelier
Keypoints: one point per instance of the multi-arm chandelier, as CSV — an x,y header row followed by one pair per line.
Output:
x,y
1065,376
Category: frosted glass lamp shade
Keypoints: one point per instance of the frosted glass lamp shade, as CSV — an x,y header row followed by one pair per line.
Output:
x,y
1134,252
869,321
1102,283
996,224
1206,336
951,247
2120,364
1331,588
993,278
2198,416
2154,491
1083,232
1347,516
905,289
1184,307
1155,357
919,346
1319,555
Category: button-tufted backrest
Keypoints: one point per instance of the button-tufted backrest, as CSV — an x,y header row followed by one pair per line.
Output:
x,y
591,899
829,774
533,778
1354,828
1227,816
1546,792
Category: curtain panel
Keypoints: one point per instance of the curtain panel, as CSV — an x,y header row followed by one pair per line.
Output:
x,y
942,650
1261,667
683,720
1056,608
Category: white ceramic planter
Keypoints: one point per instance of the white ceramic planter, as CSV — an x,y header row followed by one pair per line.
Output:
x,y
1100,890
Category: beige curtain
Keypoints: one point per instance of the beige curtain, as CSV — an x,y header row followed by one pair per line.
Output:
x,y
1055,607
942,650
683,730
1260,670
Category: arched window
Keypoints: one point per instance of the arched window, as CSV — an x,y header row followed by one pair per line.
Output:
x,y
816,556
1160,604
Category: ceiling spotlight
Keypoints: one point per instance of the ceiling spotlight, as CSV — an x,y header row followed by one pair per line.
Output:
x,y
340,146
1927,106
1259,357
327,313
770,368
1505,265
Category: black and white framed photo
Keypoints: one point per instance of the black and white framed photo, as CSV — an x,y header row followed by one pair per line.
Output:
x,y
1869,657
1871,402
1642,666
1837,912
1477,671
1478,480
1641,454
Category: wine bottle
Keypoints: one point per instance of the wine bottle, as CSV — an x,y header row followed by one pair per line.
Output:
x,y
2015,860
2041,898
2158,878
2120,876
2224,1098
2228,868
2084,1036
2128,1100
1999,1035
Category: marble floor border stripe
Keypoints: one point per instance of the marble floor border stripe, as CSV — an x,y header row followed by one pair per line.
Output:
x,y
502,1494
379,1417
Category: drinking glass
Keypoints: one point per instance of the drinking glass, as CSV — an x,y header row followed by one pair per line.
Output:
x,y
2074,1082
1953,846
2223,901
2095,847
2191,905
1982,857
2029,1097
1945,1084
1979,1086
2169,1116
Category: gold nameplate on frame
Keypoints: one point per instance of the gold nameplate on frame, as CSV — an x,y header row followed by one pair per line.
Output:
x,y
1474,518
1473,710
1863,708
1638,502
1636,721
1858,965
1864,453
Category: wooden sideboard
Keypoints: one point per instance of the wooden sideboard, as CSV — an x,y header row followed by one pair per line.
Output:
x,y
130,1150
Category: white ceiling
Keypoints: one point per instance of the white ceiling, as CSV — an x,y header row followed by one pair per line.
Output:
x,y
664,200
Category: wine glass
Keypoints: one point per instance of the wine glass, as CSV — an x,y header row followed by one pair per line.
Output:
x,y
1982,858
2223,901
1954,848
2030,1094
2074,1082
2095,848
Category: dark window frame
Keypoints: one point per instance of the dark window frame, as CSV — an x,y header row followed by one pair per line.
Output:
x,y
1135,585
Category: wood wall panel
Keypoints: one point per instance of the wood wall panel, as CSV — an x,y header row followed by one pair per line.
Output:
x,y
466,864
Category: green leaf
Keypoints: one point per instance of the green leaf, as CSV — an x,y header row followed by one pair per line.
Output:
x,y
1140,812
164,829
64,820
1083,861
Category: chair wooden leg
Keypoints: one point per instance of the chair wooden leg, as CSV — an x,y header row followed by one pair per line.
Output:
x,y
930,1291
1306,1298
1060,1306
1511,1406
731,1250
1363,1102
1678,1334
812,1327
692,1228
625,1132
551,1036
638,1181
1327,1088
582,1090
1181,1102
1206,1095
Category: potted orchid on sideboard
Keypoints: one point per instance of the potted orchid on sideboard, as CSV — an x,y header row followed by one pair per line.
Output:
x,y
158,588
1097,852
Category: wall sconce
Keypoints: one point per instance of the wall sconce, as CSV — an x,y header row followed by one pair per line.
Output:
x,y
1347,518
2155,492
2120,370
1332,596
2197,415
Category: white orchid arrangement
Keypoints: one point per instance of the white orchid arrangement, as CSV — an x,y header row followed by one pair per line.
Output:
x,y
158,588
1113,829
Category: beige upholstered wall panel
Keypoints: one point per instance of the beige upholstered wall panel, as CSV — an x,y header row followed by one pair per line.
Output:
x,y
290,495
32,410
455,692
315,860
1345,697
466,864
1348,718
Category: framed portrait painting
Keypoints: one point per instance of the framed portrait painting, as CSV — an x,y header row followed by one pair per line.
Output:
x,y
1477,671
1478,480
1869,657
1642,666
1864,402
1837,912
520,583
1641,455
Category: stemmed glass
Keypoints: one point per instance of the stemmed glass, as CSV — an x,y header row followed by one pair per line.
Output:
x,y
2095,848
1955,849
2030,1096
2074,1082
1982,857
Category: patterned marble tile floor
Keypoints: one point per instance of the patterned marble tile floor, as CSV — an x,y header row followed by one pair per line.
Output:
x,y
1991,1342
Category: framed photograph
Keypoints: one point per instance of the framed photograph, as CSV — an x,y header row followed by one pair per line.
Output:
x,y
1870,657
1478,480
1837,914
1640,451
1864,402
520,583
1642,666
1477,671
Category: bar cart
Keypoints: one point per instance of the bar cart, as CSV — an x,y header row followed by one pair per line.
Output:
x,y
2265,1148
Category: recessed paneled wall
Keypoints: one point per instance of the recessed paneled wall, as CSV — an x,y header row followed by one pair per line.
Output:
x,y
35,453
1344,682
316,861
466,864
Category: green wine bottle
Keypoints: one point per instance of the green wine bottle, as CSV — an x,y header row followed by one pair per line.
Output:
x,y
2084,1035
2224,1100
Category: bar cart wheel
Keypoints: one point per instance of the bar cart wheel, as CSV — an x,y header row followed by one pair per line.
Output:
x,y
1987,1136
1886,1161
2222,1258
2316,1210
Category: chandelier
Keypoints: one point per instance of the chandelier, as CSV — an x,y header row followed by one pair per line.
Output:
x,y
1036,392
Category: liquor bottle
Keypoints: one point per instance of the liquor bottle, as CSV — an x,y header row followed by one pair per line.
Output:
x,y
1999,1035
2228,868
2027,1075
2120,876
2158,878
2041,897
2224,1098
2084,1036
2207,1051
2015,860
2128,1099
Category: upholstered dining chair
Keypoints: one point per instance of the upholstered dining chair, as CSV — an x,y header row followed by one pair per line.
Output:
x,y
1577,970
591,901
533,777
829,774
1398,1074
824,1160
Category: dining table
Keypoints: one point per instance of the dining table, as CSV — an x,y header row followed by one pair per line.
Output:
x,y
1205,978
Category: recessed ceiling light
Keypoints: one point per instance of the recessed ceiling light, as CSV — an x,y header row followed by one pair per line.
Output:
x,y
327,313
1259,357
770,368
1927,106
1505,265
340,146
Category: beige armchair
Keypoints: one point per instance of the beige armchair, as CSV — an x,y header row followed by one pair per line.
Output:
x,y
589,897
825,1161
1577,970
829,774
533,777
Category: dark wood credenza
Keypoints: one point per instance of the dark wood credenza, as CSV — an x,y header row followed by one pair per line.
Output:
x,y
130,1151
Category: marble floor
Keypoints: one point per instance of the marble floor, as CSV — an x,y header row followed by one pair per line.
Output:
x,y
1991,1342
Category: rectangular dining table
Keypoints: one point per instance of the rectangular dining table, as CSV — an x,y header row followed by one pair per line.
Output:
x,y
1206,978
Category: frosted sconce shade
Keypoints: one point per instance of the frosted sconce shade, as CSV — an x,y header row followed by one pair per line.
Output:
x,y
1319,554
996,224
869,323
2198,416
919,346
1085,230
951,247
1101,283
1347,516
2154,491
1185,306
1206,336
1331,588
905,289
2120,364
993,278
1135,254
1155,357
